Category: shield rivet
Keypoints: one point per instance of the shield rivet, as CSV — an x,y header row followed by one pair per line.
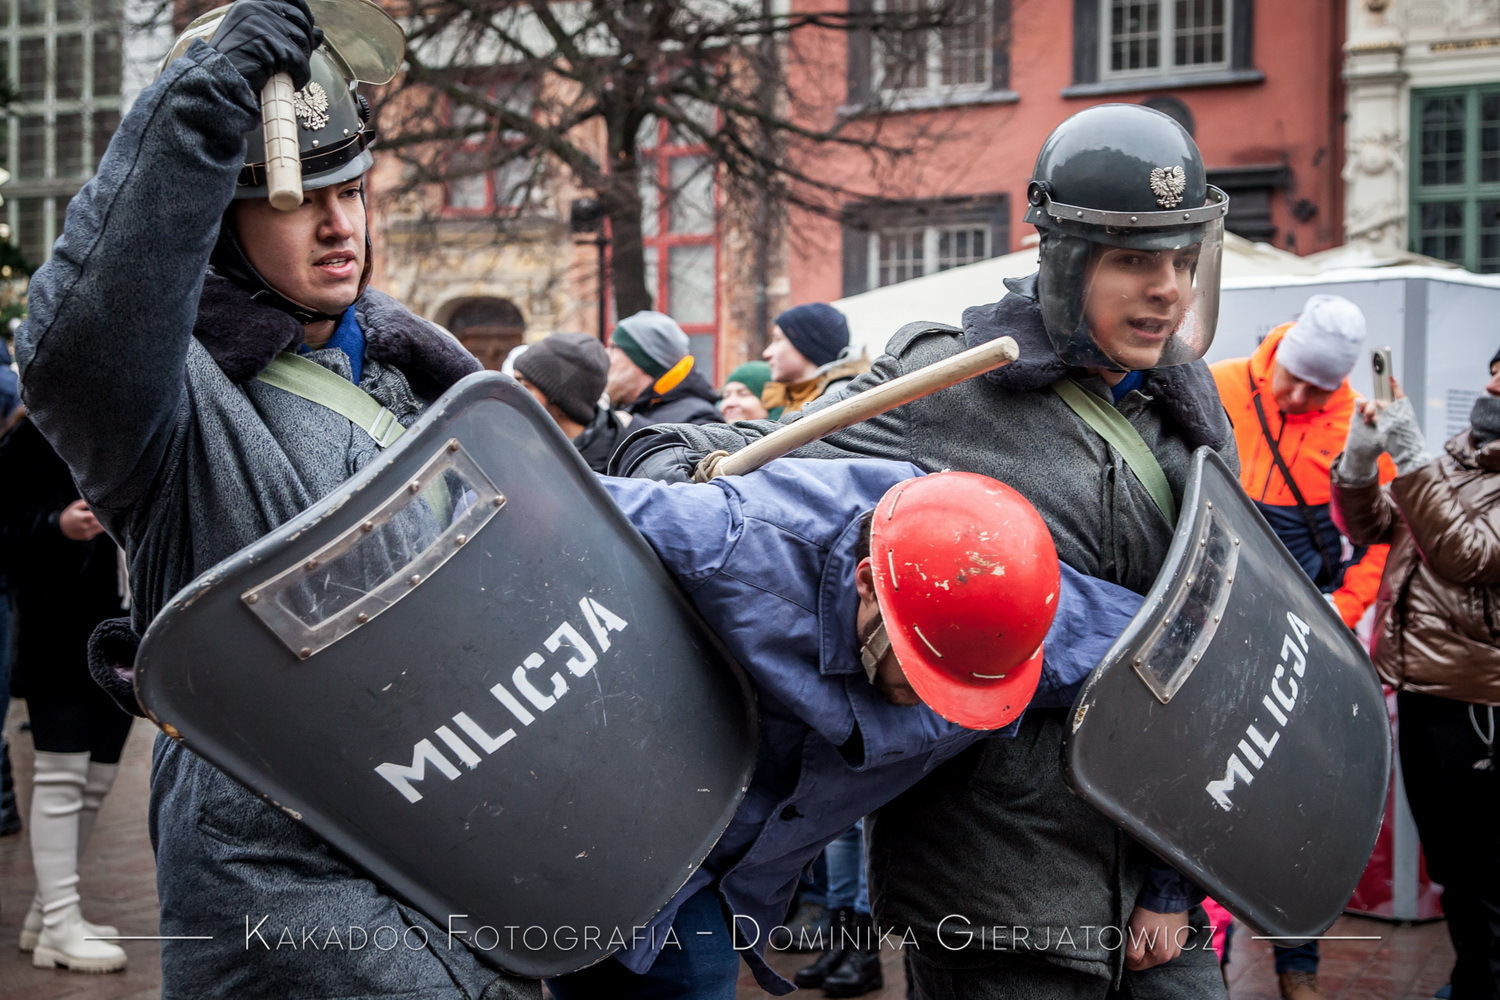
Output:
x,y
252,598
304,652
498,502
367,526
416,578
1135,218
1210,505
1186,217
415,486
452,445
312,564
460,539
361,617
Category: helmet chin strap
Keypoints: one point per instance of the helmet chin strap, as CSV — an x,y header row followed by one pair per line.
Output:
x,y
230,261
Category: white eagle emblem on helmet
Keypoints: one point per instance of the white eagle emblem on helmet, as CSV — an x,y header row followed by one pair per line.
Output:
x,y
311,106
1168,183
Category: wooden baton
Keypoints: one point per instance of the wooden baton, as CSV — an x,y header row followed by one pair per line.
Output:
x,y
283,157
861,406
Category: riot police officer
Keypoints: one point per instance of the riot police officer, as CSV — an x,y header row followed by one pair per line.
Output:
x,y
151,377
1095,425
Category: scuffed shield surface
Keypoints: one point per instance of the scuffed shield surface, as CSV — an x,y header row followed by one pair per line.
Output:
x,y
469,673
1237,728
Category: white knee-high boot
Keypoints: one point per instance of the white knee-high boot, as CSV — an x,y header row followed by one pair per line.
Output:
x,y
56,822
99,780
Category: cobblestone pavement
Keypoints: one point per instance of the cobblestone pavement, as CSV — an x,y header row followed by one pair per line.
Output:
x,y
1406,963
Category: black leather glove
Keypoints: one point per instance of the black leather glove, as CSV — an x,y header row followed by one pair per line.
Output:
x,y
264,37
663,456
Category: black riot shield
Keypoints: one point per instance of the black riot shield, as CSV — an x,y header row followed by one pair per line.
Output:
x,y
1237,728
467,671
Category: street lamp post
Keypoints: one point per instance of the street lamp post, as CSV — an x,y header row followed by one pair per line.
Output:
x,y
586,217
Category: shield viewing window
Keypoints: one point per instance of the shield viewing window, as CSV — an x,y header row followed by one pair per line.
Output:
x,y
397,547
1195,610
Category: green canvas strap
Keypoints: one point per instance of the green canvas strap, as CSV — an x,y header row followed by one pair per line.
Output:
x,y
1120,433
310,380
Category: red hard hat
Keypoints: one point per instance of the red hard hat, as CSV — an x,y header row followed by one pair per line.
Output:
x,y
967,581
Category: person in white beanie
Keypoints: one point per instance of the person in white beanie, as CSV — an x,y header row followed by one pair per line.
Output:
x,y
1291,404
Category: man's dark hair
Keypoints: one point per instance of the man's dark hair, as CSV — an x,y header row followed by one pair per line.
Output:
x,y
862,547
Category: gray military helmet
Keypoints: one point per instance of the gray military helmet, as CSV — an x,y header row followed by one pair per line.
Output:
x,y
333,131
1123,177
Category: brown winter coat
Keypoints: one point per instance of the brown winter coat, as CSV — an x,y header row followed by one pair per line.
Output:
x,y
1437,624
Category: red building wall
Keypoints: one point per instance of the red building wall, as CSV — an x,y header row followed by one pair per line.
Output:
x,y
1290,117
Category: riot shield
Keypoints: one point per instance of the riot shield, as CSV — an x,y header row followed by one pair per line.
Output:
x,y
466,671
1237,728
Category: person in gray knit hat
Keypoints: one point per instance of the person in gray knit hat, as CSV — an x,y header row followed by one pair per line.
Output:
x,y
1434,642
651,374
566,373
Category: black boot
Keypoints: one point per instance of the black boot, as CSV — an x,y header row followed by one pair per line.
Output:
x,y
859,972
10,816
812,976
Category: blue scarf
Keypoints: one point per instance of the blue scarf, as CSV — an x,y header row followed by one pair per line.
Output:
x,y
350,339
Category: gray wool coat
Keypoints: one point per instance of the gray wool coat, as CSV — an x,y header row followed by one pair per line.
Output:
x,y
995,835
186,459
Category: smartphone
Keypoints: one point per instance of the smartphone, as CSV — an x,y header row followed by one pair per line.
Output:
x,y
1380,367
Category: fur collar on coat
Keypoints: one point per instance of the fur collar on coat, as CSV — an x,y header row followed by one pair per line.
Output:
x,y
243,335
1186,392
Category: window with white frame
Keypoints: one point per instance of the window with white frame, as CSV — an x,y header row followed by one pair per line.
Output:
x,y
1156,37
900,253
62,60
887,242
958,54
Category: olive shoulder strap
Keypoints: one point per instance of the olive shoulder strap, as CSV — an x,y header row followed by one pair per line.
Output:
x,y
1122,435
310,380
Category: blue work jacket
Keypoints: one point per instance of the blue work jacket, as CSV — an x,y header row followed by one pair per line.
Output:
x,y
768,559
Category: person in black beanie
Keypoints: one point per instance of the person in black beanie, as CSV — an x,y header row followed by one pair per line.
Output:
x,y
1435,644
807,356
566,373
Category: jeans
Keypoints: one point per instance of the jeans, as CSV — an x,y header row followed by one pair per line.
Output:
x,y
847,885
701,964
1298,958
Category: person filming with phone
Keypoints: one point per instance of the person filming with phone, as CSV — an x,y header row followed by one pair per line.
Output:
x,y
1291,406
1435,642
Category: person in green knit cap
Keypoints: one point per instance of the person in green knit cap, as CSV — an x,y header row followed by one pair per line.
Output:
x,y
739,396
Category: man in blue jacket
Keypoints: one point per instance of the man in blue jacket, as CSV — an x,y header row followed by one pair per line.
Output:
x,y
800,568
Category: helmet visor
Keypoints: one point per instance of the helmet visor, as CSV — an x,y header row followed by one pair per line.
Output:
x,y
1129,308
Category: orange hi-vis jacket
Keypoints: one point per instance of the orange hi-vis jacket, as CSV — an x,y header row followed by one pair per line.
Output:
x,y
1309,443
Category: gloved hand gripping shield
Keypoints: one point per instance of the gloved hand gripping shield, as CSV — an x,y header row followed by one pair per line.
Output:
x,y
1132,240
